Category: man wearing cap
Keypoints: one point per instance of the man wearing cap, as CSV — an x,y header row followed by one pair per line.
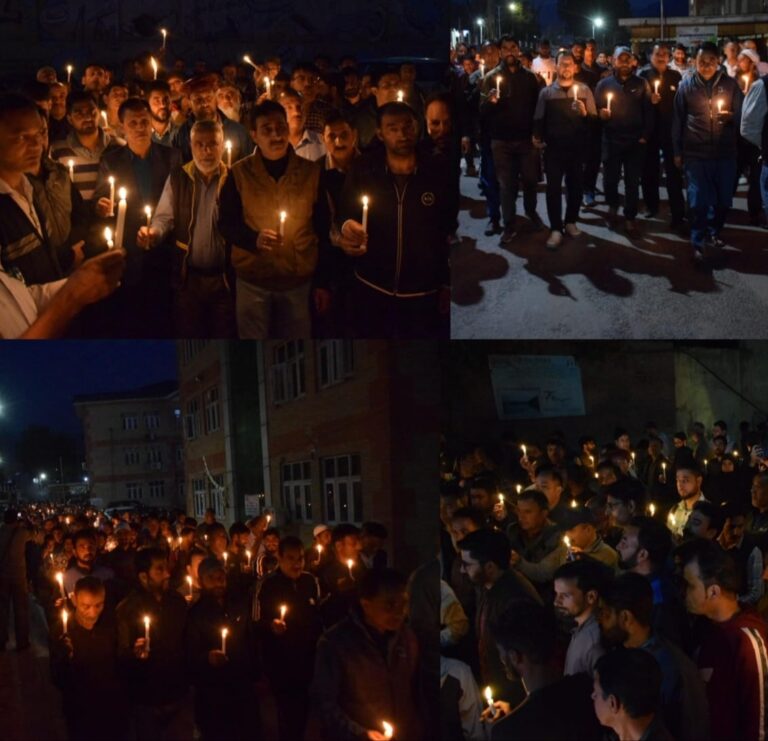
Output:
x,y
754,128
705,128
628,119
201,92
585,540
319,553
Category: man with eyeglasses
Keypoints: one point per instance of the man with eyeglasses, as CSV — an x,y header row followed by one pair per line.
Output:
x,y
304,78
201,92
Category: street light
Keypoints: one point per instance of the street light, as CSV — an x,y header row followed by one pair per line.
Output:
x,y
43,476
480,23
514,7
597,23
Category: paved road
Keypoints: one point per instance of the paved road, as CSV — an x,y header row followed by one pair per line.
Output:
x,y
602,285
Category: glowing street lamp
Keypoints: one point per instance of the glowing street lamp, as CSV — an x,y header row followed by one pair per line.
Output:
x,y
514,7
480,23
598,22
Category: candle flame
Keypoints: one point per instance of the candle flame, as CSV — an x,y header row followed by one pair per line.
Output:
x,y
350,563
189,580
519,488
224,632
501,498
60,578
488,695
70,163
111,180
400,96
248,60
652,509
148,212
388,729
319,548
228,145
70,68
108,234
146,621
365,200
123,193
567,541
574,504
153,62
283,610
283,217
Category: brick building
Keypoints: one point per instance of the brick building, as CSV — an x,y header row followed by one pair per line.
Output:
x,y
133,445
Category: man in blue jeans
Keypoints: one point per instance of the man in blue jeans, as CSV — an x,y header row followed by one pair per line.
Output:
x,y
754,128
705,132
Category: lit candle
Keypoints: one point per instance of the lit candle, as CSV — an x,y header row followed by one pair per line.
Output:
x,y
146,633
746,82
720,105
574,504
319,551
226,558
248,555
122,206
153,62
224,633
283,217
60,579
489,700
165,36
498,86
591,461
111,195
706,465
501,498
350,564
108,238
656,86
148,212
365,214
632,454
104,119
400,96
567,542
519,488
248,60
575,92
64,618
482,70
283,610
189,581
389,729
69,74
228,147
525,451
735,453
268,86
71,166
269,517
610,98
652,509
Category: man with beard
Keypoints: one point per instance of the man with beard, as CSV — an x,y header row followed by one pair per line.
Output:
x,y
228,101
627,117
688,479
159,99
625,620
578,586
84,542
94,81
204,305
509,117
58,126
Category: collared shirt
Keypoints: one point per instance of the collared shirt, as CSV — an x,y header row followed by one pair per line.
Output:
x,y
585,647
165,137
311,146
679,515
86,161
24,200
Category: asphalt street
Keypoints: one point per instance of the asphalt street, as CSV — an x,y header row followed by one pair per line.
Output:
x,y
603,285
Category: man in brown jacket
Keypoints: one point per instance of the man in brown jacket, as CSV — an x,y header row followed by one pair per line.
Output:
x,y
271,214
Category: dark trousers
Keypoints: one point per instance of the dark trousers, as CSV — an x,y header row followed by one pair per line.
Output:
x,y
652,176
225,714
380,316
489,185
14,592
171,722
710,195
559,165
292,712
515,162
593,157
629,159
204,308
749,165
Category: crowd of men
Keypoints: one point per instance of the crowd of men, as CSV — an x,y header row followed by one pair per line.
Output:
x,y
160,625
614,588
564,113
250,201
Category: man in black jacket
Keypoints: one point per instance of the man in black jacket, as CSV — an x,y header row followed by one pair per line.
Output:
x,y
289,635
154,670
142,306
624,104
401,256
664,83
509,96
339,577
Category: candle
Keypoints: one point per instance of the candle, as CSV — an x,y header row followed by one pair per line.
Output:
x,y
591,461
269,517
108,238
283,610
525,451
268,86
575,92
248,60
735,453
501,499
489,700
104,119
228,147
746,82
146,633
69,74
498,86
319,551
71,166
574,504
632,455
165,36
226,559
400,96
189,581
567,542
350,564
283,217
111,195
153,62
248,555
720,105
519,488
656,86
64,618
224,633
122,206
482,70
365,214
60,579
148,212
652,509
610,98
389,729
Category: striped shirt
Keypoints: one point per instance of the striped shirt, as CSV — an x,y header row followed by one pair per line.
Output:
x,y
85,161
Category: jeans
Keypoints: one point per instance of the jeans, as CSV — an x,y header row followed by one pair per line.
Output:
x,y
710,194
651,179
515,161
489,185
631,159
559,165
264,314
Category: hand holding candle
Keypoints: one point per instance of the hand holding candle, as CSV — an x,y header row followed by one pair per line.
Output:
x,y
489,700
350,564
122,206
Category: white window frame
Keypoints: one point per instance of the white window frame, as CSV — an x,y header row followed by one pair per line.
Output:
x,y
199,497
157,489
152,420
288,371
217,495
212,410
335,362
130,421
340,489
134,490
192,419
297,489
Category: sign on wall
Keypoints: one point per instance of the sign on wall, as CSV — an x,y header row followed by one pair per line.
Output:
x,y
536,386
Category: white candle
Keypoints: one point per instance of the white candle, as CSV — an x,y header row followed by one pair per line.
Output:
x,y
350,564
656,86
567,542
224,633
482,70
104,119
400,96
389,729
610,98
575,92
746,82
108,238
248,60
283,610
71,166
122,206
226,559
489,700
69,74
111,195
64,618
319,551
189,581
165,36
365,214
652,509
146,633
228,147
248,554
153,62
148,212
283,217
720,105
525,451
269,517
498,86
268,85
60,579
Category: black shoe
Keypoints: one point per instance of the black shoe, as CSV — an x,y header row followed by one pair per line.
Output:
x,y
649,214
508,236
536,222
492,228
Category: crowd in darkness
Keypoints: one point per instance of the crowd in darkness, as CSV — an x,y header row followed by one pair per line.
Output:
x,y
245,201
606,589
162,627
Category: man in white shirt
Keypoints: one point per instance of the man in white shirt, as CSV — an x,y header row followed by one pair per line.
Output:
x,y
544,65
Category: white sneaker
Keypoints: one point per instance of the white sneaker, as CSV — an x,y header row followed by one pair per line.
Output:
x,y
572,230
555,238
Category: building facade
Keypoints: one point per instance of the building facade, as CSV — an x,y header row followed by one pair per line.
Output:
x,y
133,446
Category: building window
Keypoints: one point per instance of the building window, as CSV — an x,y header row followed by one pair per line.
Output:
x,y
192,419
130,421
217,495
152,421
132,456
343,489
211,410
297,488
191,348
182,493
335,362
157,489
288,371
133,490
155,458
179,454
198,496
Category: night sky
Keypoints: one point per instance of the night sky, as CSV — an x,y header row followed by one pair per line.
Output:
x,y
39,379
